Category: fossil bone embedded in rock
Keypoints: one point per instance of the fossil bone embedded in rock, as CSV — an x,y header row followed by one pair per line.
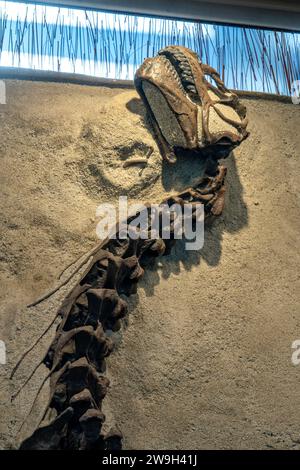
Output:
x,y
189,106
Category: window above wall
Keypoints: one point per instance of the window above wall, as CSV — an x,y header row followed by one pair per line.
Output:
x,y
109,45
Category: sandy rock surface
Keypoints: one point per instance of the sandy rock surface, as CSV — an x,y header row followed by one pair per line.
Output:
x,y
204,358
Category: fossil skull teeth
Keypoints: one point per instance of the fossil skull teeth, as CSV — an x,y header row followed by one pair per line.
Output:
x,y
181,67
186,110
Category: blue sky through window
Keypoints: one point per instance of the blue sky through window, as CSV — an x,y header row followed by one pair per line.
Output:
x,y
113,45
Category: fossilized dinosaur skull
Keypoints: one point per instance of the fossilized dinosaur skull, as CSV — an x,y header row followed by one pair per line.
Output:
x,y
186,110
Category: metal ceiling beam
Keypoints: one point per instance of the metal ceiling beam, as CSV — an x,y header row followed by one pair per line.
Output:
x,y
272,14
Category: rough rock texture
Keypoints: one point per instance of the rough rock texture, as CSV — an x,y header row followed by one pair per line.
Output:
x,y
211,370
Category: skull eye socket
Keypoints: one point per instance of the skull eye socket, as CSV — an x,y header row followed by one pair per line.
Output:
x,y
224,141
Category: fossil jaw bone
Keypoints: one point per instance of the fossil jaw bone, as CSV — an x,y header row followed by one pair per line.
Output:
x,y
185,109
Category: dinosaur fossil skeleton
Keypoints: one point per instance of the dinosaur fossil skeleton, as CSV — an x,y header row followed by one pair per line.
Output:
x,y
187,113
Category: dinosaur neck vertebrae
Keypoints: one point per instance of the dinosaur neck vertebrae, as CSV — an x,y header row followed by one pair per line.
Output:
x,y
76,357
190,115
